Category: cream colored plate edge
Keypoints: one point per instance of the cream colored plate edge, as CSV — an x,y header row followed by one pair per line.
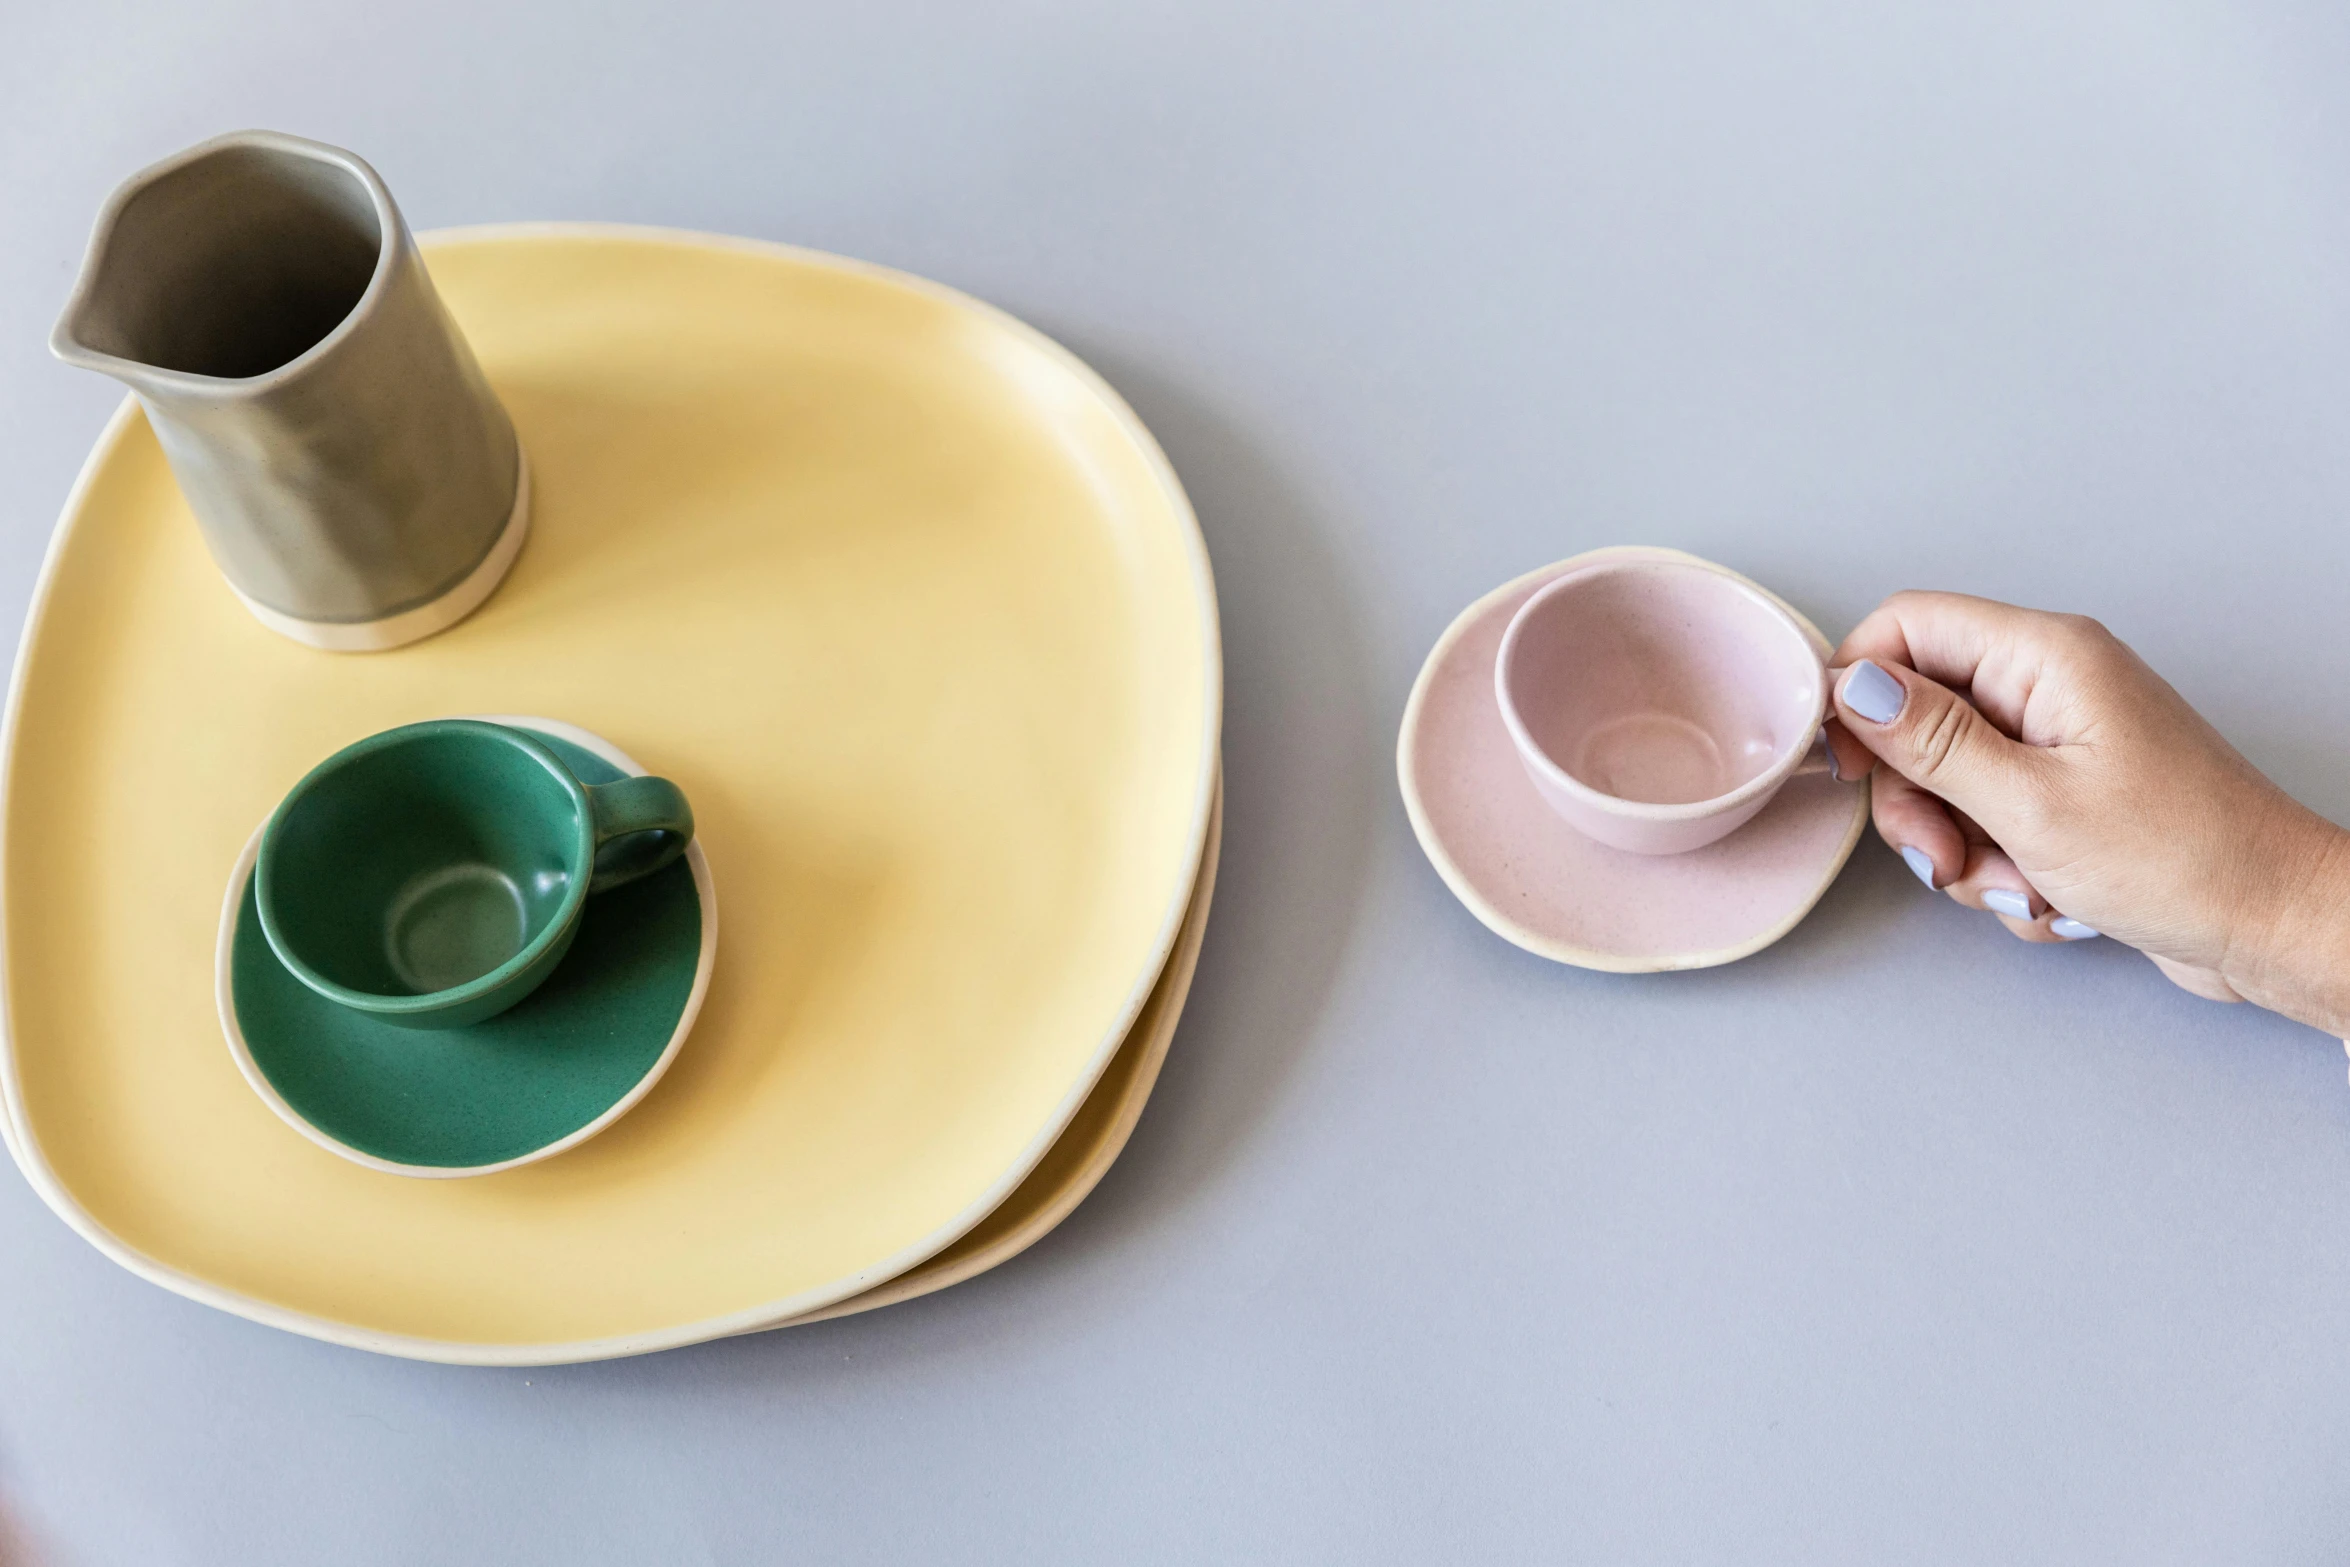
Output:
x,y
1493,918
16,1130
1051,1208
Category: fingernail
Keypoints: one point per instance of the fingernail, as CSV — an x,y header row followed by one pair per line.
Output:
x,y
2015,905
1833,771
2072,929
1919,862
1872,693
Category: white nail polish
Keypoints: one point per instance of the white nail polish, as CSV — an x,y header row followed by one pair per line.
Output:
x,y
2072,929
2015,905
1920,863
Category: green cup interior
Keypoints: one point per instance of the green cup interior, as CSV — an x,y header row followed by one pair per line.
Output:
x,y
424,859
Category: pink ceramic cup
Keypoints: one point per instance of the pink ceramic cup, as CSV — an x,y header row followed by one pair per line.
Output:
x,y
1659,705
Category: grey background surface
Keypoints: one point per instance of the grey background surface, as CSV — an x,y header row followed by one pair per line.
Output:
x,y
1900,1241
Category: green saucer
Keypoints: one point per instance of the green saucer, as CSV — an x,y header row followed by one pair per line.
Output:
x,y
551,1073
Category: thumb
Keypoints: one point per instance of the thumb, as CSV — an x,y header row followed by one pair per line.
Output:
x,y
1935,738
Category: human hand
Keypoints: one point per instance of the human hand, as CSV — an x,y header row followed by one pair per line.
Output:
x,y
2065,787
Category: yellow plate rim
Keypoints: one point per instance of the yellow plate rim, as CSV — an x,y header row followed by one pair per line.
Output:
x,y
15,1123
928,1278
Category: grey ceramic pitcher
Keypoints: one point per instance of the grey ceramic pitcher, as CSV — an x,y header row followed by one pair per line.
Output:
x,y
356,479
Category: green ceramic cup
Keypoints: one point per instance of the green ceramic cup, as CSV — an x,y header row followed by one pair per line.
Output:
x,y
434,875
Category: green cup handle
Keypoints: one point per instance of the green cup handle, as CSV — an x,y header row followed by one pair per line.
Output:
x,y
641,824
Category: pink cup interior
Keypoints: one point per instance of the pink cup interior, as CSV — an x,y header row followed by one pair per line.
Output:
x,y
1662,683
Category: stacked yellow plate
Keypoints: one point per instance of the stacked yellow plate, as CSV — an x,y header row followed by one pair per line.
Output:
x,y
915,610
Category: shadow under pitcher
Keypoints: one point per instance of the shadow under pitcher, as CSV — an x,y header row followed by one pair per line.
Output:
x,y
355,478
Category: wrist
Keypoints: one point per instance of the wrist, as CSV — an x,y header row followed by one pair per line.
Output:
x,y
2290,952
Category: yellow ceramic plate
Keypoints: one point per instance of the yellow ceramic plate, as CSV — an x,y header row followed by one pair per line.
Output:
x,y
900,592
1090,1143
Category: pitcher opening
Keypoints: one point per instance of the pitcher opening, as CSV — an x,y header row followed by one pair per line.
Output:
x,y
232,265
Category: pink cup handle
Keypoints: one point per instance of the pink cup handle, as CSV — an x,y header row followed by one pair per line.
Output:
x,y
1816,761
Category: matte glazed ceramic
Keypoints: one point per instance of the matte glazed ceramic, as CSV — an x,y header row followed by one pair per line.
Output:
x,y
1657,705
1541,884
434,875
530,1083
358,483
1087,1147
902,588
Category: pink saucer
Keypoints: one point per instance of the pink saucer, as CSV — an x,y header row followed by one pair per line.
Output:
x,y
1539,883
